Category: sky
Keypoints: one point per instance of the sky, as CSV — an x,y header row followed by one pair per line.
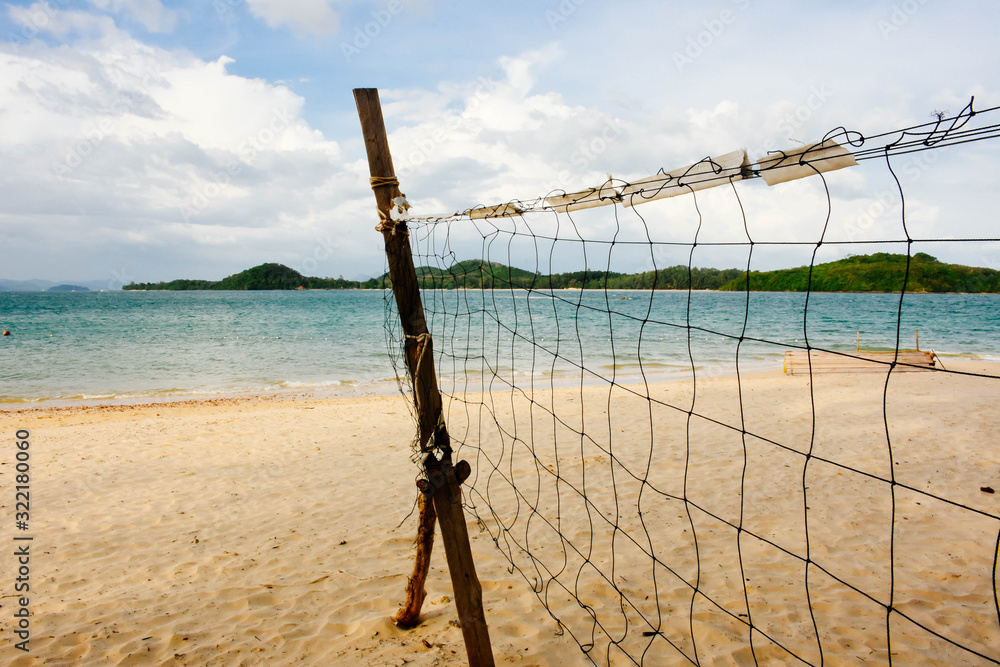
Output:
x,y
148,140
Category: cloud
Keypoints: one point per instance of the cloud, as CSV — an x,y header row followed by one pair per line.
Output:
x,y
41,17
149,13
124,150
302,16
509,139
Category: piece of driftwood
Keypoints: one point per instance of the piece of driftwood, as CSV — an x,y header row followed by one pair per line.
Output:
x,y
798,363
408,615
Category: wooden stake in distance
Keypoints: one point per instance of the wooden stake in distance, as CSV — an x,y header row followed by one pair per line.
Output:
x,y
442,480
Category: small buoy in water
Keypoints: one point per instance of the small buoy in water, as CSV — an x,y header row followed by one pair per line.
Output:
x,y
6,333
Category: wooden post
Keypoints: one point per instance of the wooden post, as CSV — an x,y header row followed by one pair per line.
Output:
x,y
402,273
441,475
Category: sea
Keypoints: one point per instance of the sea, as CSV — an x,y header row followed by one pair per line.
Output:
x,y
69,348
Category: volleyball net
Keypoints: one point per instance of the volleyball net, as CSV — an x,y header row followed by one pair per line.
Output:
x,y
687,455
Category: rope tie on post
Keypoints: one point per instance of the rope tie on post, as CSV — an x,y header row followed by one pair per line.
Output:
x,y
383,181
386,222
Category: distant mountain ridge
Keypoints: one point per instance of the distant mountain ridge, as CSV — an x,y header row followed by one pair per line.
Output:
x,y
879,272
469,274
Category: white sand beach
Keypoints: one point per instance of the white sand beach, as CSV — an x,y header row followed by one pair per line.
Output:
x,y
271,531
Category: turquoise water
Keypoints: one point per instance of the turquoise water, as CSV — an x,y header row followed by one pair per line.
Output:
x,y
125,346
628,336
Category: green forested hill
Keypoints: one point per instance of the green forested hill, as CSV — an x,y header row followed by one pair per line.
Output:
x,y
263,277
278,276
880,272
470,274
477,274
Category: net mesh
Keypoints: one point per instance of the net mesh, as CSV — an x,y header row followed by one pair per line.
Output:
x,y
640,459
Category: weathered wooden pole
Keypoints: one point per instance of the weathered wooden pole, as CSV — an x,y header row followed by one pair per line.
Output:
x,y
442,481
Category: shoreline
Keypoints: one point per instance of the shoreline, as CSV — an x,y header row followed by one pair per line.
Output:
x,y
141,399
389,387
384,388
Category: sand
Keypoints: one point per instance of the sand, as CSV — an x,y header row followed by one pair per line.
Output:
x,y
274,531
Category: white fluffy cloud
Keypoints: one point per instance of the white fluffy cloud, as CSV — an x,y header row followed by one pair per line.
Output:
x,y
125,149
302,16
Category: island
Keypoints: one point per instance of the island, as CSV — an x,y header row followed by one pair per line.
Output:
x,y
264,277
879,272
68,288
